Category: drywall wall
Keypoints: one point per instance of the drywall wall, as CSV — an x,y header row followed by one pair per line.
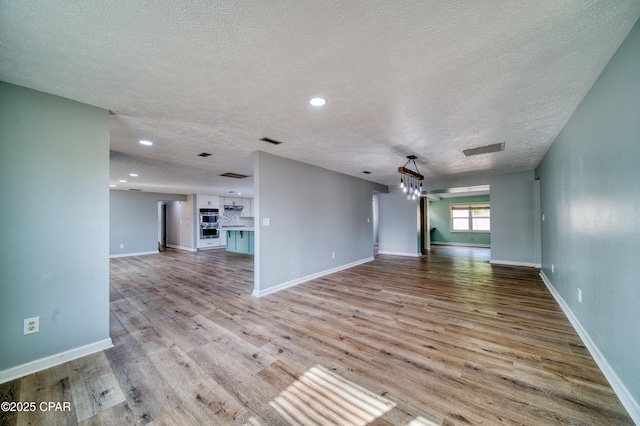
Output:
x,y
54,256
312,213
181,224
399,230
133,221
590,187
441,220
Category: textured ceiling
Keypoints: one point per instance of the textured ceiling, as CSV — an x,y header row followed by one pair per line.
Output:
x,y
428,78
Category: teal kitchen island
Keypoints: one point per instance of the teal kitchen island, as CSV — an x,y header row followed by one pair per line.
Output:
x,y
239,239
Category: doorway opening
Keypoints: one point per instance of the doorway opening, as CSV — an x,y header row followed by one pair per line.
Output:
x,y
457,217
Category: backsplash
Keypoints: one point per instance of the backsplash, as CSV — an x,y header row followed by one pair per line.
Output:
x,y
232,218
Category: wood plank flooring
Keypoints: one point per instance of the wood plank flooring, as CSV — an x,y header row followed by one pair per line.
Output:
x,y
445,339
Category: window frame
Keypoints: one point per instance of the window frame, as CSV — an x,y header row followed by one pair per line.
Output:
x,y
469,206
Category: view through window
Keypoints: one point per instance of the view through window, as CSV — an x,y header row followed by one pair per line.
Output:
x,y
470,217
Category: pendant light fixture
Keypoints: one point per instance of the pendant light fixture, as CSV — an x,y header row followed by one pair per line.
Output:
x,y
410,180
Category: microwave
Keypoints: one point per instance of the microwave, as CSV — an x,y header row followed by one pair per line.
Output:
x,y
209,216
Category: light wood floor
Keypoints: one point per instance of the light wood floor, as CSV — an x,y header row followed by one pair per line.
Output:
x,y
441,340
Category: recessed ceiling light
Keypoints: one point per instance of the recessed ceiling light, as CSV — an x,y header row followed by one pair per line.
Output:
x,y
148,143
133,174
122,181
317,102
113,186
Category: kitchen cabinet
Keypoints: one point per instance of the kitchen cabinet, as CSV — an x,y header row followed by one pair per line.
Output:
x,y
208,243
212,201
230,201
240,241
247,211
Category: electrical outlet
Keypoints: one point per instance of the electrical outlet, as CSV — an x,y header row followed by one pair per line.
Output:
x,y
333,255
31,325
552,268
121,245
579,295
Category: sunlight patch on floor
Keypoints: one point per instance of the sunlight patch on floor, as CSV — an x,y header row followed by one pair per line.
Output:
x,y
421,421
321,396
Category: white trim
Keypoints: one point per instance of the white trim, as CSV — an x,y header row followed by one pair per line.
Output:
x,y
627,400
399,253
512,263
53,360
140,253
287,284
191,249
437,243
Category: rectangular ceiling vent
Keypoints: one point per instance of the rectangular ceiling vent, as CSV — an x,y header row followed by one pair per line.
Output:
x,y
204,155
135,189
496,147
234,175
272,141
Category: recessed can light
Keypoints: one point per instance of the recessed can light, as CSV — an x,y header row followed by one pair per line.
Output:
x,y
122,181
113,186
317,102
133,174
148,143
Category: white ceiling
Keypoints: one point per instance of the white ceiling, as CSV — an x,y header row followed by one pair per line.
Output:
x,y
401,77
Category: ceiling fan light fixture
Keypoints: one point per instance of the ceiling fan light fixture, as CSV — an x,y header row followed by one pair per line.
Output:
x,y
411,180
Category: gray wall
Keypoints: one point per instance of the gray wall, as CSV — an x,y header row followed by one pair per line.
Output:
x,y
54,215
182,224
133,221
398,228
314,212
590,192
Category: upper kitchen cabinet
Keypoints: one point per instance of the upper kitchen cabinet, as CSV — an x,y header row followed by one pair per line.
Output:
x,y
228,201
247,211
212,201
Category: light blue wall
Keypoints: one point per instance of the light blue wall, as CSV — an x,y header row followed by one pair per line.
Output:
x,y
133,220
590,197
440,217
512,221
54,217
314,212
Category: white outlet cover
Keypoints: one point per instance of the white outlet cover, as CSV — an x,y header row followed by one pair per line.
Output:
x,y
31,325
266,221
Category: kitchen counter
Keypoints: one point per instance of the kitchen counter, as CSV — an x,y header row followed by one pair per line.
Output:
x,y
237,228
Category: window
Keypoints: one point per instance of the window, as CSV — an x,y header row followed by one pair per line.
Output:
x,y
470,217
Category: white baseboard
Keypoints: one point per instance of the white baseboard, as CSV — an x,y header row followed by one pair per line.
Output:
x,y
53,360
399,253
511,263
185,248
438,243
632,406
140,253
282,286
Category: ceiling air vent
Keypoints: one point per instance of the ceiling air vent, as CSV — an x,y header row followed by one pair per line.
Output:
x,y
204,154
135,189
366,172
496,147
234,175
272,141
